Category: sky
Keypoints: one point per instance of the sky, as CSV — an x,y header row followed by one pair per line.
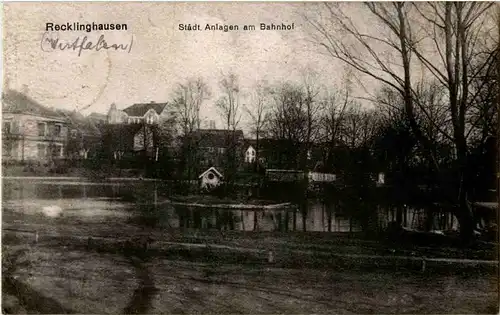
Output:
x,y
161,57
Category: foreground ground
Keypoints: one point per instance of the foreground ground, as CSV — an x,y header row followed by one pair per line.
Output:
x,y
71,275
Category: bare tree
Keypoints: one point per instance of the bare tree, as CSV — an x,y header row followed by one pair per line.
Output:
x,y
229,109
296,117
288,120
352,126
312,113
257,113
455,30
335,106
229,104
358,125
188,99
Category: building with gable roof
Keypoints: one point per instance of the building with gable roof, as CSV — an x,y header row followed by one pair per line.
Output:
x,y
31,131
213,145
150,113
137,129
210,178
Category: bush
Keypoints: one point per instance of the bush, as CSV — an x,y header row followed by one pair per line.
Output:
x,y
59,166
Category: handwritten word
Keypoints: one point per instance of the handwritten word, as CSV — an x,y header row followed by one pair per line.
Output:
x,y
49,44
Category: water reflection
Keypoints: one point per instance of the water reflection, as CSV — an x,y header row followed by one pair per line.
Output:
x,y
144,203
257,220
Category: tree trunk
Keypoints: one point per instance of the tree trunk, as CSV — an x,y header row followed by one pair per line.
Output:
x,y
465,215
287,218
256,162
295,219
330,210
399,215
304,219
255,221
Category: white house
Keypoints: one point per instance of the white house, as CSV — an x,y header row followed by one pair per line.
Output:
x,y
250,155
321,177
210,178
381,179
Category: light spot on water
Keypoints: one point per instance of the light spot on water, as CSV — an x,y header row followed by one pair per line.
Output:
x,y
52,211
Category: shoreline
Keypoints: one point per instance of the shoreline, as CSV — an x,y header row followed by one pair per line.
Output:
x,y
81,178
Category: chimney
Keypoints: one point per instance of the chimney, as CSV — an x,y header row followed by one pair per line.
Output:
x,y
212,124
152,102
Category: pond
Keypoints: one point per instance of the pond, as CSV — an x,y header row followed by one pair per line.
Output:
x,y
145,203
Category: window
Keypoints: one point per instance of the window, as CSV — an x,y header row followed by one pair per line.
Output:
x,y
7,125
150,119
222,150
7,148
74,133
42,150
57,150
57,130
42,129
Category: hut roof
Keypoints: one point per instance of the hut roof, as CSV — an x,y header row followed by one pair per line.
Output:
x,y
211,169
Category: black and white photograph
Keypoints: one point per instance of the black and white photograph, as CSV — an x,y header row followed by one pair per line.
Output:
x,y
250,157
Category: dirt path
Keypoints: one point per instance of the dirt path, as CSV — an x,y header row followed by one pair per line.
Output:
x,y
144,293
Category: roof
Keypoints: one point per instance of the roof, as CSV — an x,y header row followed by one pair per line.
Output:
x,y
212,169
250,142
98,116
140,109
216,138
16,102
276,145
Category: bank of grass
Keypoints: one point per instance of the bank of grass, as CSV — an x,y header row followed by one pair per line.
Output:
x,y
291,249
214,200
